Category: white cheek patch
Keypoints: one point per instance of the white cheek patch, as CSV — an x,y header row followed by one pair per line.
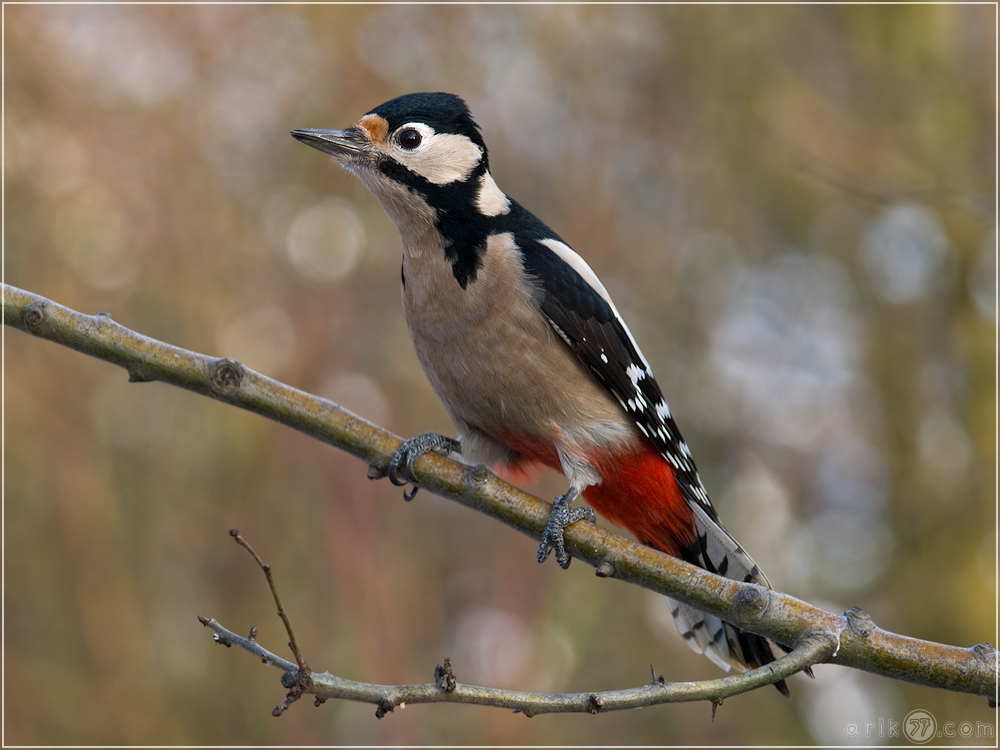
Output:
x,y
490,200
441,158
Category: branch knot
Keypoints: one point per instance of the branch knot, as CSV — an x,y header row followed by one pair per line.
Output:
x,y
477,476
34,315
596,703
444,677
751,599
860,622
227,377
606,568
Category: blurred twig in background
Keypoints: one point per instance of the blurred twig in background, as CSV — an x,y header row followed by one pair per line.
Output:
x,y
853,641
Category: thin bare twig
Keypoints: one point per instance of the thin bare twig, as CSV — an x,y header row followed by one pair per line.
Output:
x,y
292,643
777,616
228,639
814,648
811,649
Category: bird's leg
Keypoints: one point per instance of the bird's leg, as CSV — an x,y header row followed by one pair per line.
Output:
x,y
401,462
561,517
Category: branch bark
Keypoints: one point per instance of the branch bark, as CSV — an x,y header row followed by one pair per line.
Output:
x,y
814,648
860,644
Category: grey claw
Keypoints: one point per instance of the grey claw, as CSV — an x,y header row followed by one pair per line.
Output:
x,y
400,471
561,517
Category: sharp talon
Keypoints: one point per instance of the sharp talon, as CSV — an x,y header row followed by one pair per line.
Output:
x,y
399,457
407,496
543,552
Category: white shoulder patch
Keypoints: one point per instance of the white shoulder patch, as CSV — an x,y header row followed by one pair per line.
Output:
x,y
578,264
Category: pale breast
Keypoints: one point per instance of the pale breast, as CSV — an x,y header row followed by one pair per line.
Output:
x,y
494,359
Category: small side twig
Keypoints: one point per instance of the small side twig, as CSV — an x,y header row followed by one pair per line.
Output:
x,y
292,643
299,682
227,638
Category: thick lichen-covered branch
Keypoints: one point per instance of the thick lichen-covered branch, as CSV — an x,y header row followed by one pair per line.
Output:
x,y
784,619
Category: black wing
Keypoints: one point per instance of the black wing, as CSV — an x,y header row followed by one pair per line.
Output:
x,y
589,323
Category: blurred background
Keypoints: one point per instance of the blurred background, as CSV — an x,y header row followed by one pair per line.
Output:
x,y
793,208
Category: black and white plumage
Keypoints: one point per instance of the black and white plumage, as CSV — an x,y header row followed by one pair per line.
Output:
x,y
526,349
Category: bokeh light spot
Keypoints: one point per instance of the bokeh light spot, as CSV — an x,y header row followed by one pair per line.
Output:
x,y
325,241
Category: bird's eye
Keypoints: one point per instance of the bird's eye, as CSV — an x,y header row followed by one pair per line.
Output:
x,y
409,139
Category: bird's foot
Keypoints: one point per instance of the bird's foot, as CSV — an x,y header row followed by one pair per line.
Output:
x,y
561,517
401,462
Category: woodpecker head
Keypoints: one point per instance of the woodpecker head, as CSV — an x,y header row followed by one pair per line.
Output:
x,y
423,142
423,157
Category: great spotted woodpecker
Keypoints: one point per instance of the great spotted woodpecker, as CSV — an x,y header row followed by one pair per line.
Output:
x,y
522,343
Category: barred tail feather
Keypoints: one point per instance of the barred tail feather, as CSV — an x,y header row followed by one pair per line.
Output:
x,y
717,551
706,634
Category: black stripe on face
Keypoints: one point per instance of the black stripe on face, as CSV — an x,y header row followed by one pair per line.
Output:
x,y
463,229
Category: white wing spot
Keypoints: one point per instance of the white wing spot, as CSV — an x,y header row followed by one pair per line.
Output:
x,y
635,373
662,410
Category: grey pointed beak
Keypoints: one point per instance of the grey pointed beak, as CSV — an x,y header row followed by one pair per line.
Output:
x,y
338,143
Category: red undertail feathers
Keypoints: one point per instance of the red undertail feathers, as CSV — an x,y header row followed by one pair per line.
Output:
x,y
639,492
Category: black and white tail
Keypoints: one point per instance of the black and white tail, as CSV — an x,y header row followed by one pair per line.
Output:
x,y
717,552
